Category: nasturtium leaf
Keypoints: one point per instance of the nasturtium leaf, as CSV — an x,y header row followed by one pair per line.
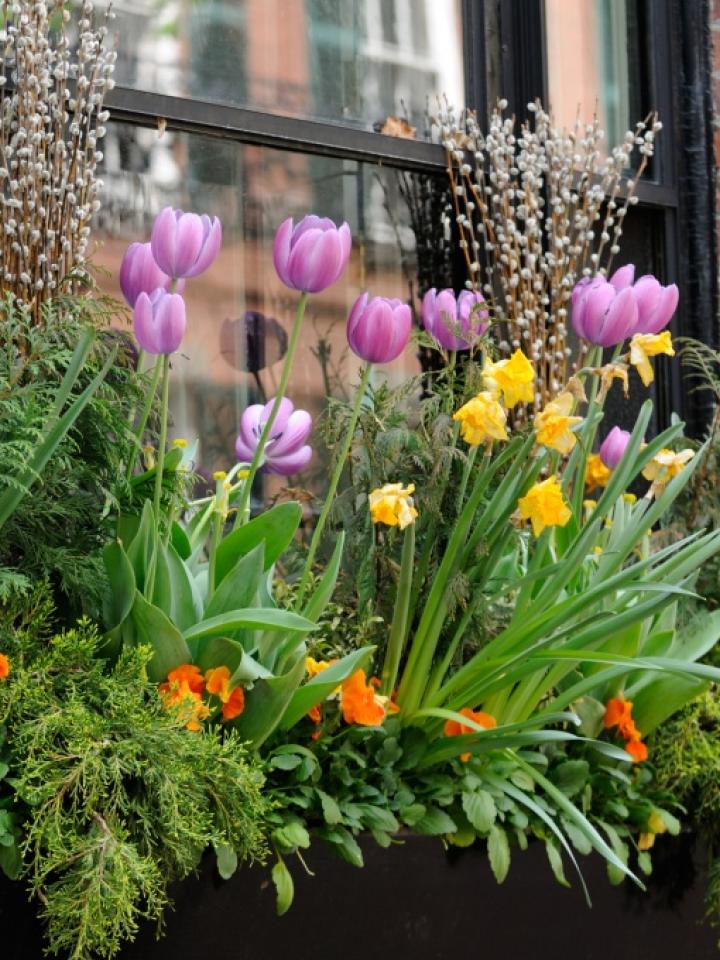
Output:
x,y
480,809
499,853
571,776
284,888
227,860
555,858
434,822
330,809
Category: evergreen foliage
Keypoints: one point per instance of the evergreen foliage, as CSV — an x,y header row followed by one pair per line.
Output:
x,y
120,798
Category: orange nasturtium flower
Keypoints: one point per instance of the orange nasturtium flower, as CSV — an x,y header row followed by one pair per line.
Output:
x,y
618,713
596,473
183,690
360,703
453,728
544,505
4,667
218,684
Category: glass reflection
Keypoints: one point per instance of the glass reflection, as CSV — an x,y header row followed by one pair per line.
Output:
x,y
239,311
594,63
356,61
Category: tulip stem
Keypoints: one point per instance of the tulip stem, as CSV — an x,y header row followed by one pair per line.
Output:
x,y
147,407
165,366
334,481
243,512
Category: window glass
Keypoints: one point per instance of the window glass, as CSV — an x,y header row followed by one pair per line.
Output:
x,y
239,313
355,61
595,63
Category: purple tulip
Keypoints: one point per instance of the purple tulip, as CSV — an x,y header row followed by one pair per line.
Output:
x,y
140,274
445,316
607,312
159,321
656,304
311,256
613,447
184,244
378,331
286,451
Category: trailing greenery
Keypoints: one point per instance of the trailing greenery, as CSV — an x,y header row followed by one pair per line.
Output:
x,y
119,798
374,781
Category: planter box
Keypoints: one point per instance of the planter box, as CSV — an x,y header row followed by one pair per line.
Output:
x,y
416,902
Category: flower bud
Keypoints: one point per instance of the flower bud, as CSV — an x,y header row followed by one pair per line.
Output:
x,y
312,255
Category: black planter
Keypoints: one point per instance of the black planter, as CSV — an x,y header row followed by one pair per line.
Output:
x,y
416,902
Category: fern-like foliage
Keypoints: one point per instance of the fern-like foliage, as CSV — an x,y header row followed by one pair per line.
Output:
x,y
60,525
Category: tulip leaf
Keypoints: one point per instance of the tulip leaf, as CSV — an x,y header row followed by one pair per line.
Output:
x,y
175,591
266,703
119,599
276,527
324,590
153,629
180,540
251,618
322,685
240,586
142,548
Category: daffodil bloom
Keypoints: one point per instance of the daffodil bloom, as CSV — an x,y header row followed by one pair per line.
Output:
x,y
596,473
609,373
553,425
646,345
514,378
544,505
482,419
393,505
314,667
629,498
665,465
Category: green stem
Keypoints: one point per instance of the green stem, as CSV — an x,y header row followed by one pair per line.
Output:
x,y
398,632
334,481
215,536
147,407
163,433
467,468
243,513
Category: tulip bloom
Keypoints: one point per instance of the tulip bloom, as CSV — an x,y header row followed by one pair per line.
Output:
x,y
378,331
656,304
311,256
185,244
613,447
140,274
607,312
286,451
159,321
455,323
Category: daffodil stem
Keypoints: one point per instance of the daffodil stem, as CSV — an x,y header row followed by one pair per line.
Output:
x,y
399,629
243,512
147,407
165,366
467,470
215,536
334,481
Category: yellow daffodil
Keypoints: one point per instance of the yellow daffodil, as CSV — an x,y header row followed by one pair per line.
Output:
x,y
610,372
544,505
393,505
646,345
664,466
590,504
514,378
596,473
629,498
482,419
314,667
180,443
553,425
